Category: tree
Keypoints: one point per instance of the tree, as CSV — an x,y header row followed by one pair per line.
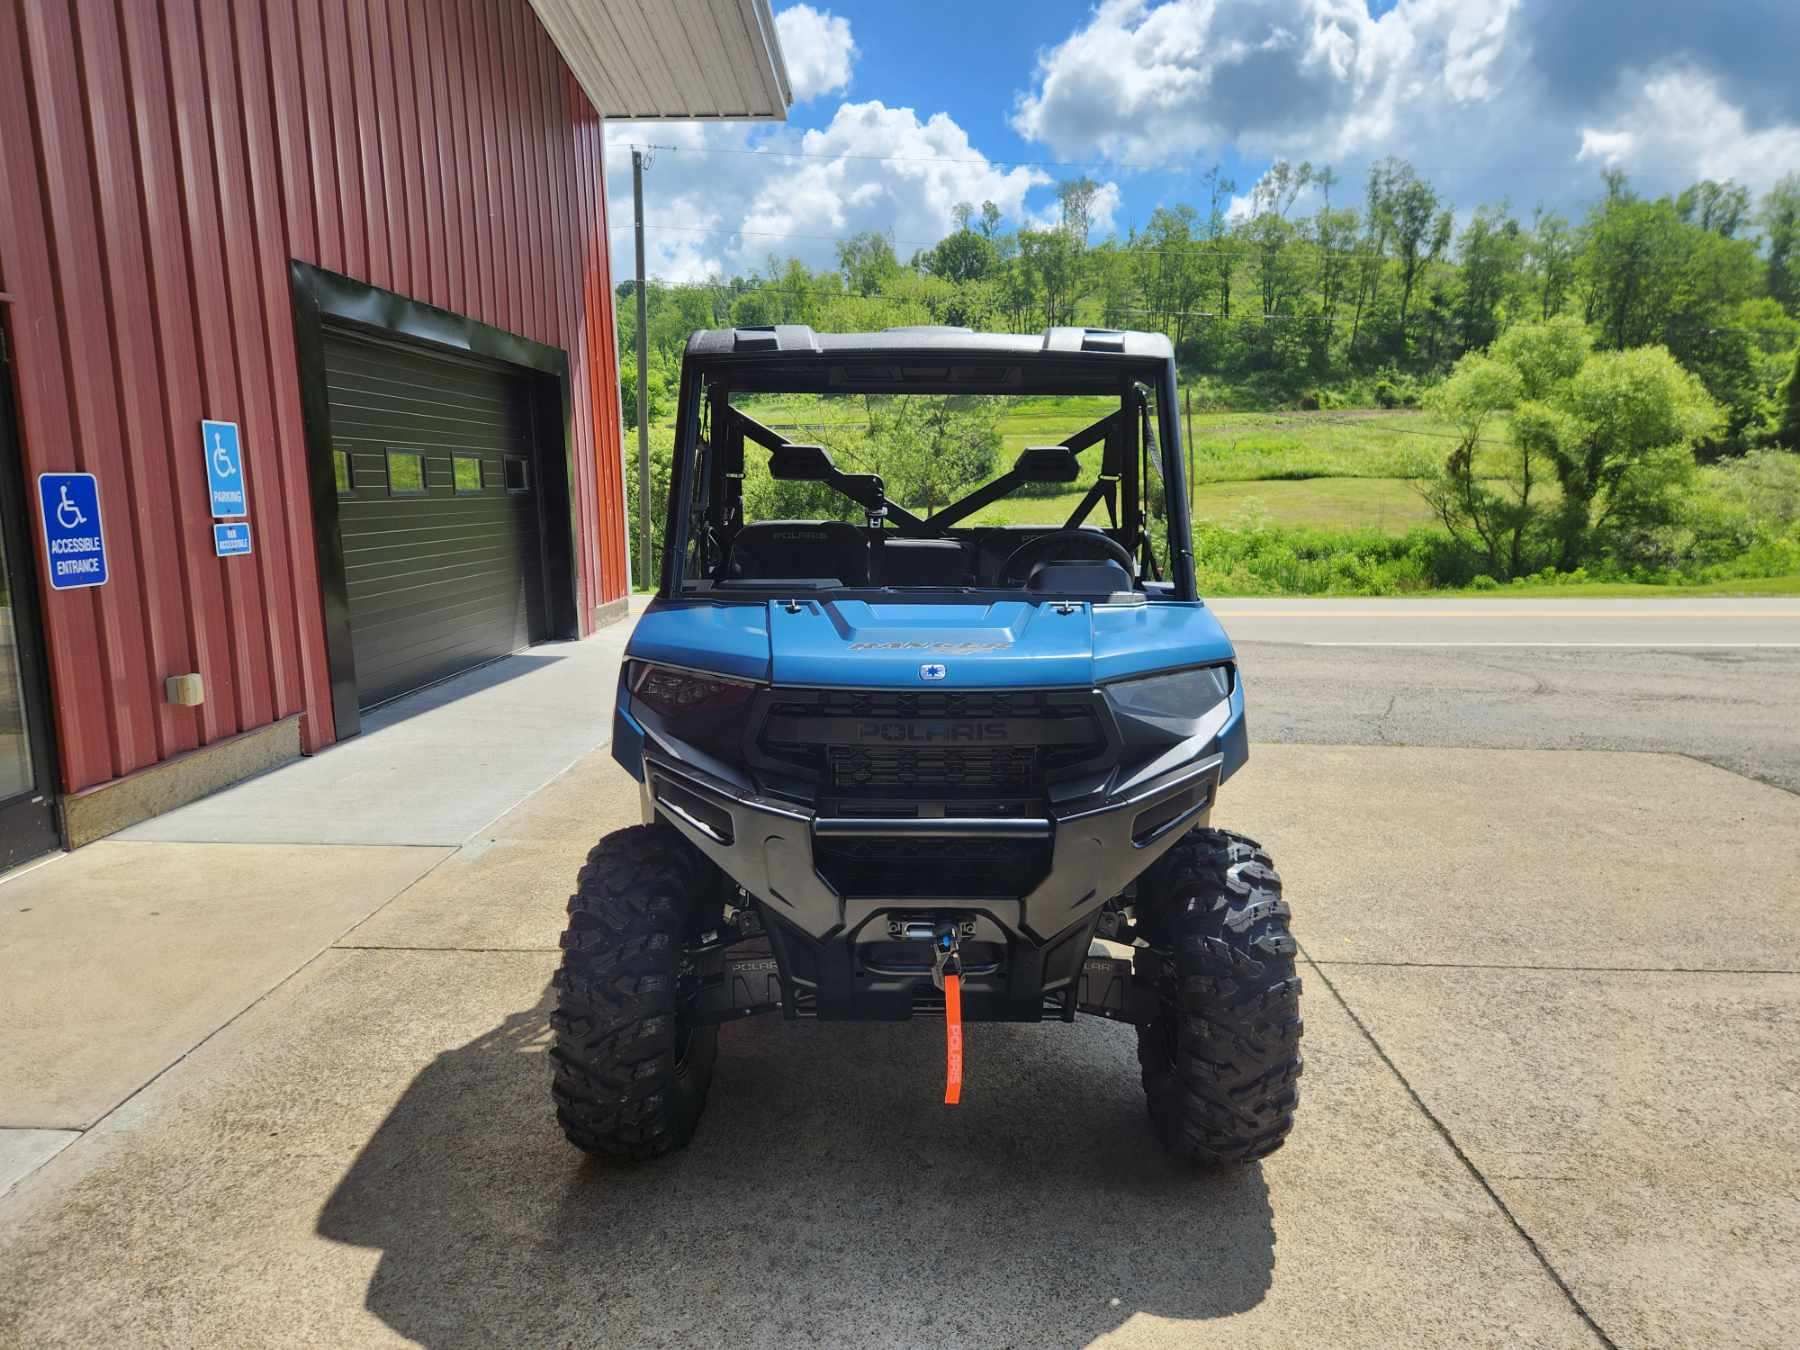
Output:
x,y
1491,249
1546,355
1075,201
1501,525
1779,217
1378,223
1718,208
1788,435
1552,258
963,256
1622,446
1421,230
990,220
931,449
867,261
1219,244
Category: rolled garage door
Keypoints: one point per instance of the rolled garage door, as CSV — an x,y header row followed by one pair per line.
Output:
x,y
438,514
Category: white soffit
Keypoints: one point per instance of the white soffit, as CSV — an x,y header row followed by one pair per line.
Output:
x,y
677,59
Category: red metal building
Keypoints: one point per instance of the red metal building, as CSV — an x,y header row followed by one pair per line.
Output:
x,y
372,236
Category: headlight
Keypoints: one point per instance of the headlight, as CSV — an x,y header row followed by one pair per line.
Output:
x,y
707,711
676,692
1179,694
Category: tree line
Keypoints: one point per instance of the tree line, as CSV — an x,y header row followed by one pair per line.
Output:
x,y
1299,284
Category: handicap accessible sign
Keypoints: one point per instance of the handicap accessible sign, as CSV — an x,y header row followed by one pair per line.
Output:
x,y
73,539
225,470
232,539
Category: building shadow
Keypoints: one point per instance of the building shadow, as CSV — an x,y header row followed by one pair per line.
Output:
x,y
828,1198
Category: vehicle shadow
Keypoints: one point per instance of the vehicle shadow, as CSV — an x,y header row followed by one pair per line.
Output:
x,y
828,1198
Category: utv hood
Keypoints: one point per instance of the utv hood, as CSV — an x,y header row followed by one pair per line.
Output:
x,y
1006,644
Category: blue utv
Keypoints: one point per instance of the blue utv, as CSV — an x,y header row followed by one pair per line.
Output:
x,y
902,757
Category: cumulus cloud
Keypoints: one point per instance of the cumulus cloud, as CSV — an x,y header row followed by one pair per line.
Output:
x,y
1684,124
1519,99
1151,83
818,50
726,197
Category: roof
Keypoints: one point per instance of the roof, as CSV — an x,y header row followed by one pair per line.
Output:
x,y
801,342
675,59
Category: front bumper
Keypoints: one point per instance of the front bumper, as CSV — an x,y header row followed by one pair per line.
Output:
x,y
827,945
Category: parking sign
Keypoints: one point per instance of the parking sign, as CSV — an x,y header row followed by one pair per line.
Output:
x,y
225,469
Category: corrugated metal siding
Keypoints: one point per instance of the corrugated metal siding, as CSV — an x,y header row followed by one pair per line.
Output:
x,y
161,162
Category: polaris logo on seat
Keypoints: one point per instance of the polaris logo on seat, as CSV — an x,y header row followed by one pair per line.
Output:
x,y
931,733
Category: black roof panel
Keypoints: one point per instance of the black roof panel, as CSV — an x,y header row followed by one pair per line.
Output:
x,y
802,342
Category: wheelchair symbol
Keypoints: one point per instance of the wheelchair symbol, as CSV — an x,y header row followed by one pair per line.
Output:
x,y
68,515
221,459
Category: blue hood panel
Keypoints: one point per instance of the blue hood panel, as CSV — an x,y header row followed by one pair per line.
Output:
x,y
704,635
1010,644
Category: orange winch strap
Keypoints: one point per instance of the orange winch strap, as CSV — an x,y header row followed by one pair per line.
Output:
x,y
952,1039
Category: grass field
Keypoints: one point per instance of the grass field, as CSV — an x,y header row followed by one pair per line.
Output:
x,y
1334,472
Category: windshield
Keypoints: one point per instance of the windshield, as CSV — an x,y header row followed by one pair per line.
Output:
x,y
1057,495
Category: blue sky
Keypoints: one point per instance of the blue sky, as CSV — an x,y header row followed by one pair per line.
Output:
x,y
1522,101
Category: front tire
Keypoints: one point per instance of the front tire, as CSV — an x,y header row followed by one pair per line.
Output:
x,y
1221,1060
630,1066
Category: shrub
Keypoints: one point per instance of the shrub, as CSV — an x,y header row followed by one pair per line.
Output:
x,y
1484,583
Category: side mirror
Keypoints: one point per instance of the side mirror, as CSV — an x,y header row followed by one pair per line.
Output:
x,y
1047,464
801,464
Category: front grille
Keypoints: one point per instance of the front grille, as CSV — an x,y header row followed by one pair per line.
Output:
x,y
901,745
1003,772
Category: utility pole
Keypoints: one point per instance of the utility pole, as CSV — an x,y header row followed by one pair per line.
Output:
x,y
648,572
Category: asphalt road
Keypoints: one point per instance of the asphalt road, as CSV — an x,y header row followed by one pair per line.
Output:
x,y
1718,681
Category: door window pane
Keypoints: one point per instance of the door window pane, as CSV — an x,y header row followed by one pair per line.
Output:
x,y
406,472
340,467
468,473
518,477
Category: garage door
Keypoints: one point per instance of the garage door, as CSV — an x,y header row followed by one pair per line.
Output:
x,y
437,509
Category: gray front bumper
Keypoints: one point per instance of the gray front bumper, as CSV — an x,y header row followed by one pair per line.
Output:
x,y
766,846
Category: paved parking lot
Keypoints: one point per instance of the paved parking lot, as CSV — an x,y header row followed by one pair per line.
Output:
x,y
1550,1099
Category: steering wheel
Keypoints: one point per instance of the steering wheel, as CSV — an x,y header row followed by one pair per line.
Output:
x,y
1032,550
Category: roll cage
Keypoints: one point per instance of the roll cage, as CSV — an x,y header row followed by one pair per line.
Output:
x,y
706,507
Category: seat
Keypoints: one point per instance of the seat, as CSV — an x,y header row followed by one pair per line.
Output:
x,y
776,549
923,562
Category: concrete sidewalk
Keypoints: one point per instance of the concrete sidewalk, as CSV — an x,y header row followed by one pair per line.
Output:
x,y
119,959
280,1093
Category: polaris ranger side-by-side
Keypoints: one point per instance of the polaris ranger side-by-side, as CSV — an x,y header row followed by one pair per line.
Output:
x,y
900,760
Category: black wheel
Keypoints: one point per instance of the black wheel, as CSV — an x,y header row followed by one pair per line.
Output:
x,y
1221,1060
630,1068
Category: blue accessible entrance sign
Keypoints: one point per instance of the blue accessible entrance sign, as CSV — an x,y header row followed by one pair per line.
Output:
x,y
70,503
225,470
231,540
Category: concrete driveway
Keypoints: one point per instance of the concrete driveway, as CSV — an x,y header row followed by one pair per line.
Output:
x,y
1550,1099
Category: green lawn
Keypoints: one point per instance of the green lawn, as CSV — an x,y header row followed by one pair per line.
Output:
x,y
1388,504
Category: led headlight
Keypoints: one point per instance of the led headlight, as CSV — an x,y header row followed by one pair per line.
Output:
x,y
704,710
672,692
1178,694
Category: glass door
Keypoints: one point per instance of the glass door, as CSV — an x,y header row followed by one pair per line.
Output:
x,y
27,797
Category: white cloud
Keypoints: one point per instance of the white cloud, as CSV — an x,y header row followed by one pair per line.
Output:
x,y
1683,124
818,50
1490,99
727,196
1148,84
